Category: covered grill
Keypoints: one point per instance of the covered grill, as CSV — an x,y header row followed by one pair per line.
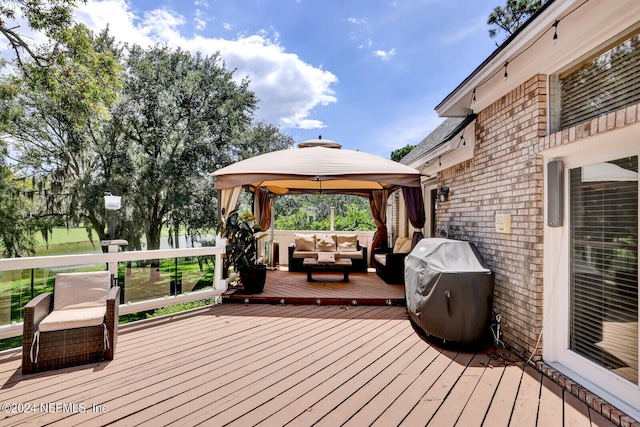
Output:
x,y
449,287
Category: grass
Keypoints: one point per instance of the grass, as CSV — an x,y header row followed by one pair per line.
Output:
x,y
64,236
139,280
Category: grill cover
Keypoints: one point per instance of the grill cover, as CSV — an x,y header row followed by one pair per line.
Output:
x,y
449,288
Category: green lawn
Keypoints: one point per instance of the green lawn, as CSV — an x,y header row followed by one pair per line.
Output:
x,y
63,236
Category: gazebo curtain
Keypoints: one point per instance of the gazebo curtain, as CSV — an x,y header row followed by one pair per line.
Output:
x,y
262,208
415,209
378,203
229,200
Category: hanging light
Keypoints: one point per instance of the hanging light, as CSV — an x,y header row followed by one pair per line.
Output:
x,y
506,75
555,32
112,204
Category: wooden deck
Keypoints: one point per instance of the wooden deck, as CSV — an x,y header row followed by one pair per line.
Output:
x,y
298,365
293,288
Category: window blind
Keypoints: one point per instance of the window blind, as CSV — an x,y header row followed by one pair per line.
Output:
x,y
606,83
604,265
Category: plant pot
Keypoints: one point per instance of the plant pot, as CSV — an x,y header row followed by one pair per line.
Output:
x,y
253,279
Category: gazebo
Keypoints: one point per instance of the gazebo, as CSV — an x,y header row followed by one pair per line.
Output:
x,y
321,166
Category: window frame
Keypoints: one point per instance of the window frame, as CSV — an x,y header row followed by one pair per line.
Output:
x,y
596,149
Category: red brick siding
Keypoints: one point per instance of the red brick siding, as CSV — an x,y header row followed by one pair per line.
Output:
x,y
506,176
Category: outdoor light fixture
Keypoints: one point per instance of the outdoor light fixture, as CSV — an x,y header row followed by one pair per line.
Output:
x,y
443,193
112,204
506,75
555,32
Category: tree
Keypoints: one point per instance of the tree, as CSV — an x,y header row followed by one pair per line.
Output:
x,y
513,14
179,114
398,154
200,215
55,110
52,17
16,232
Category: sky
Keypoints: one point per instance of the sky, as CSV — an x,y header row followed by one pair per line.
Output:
x,y
365,73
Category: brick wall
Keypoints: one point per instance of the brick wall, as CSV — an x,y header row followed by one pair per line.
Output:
x,y
506,176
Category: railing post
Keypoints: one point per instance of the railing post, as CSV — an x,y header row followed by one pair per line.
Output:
x,y
219,283
113,246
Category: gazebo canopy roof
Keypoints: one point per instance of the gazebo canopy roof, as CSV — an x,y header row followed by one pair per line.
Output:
x,y
318,166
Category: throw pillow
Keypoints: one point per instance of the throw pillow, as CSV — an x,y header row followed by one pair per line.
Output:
x,y
326,257
347,242
325,243
400,241
406,248
305,242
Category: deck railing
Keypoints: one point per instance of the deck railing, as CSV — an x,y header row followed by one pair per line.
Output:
x,y
149,279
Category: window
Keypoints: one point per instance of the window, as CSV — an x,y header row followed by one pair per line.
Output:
x,y
606,83
603,270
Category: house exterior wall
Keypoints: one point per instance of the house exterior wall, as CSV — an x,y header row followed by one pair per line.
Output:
x,y
506,176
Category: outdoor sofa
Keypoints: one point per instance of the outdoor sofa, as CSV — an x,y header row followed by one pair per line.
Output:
x,y
74,325
327,246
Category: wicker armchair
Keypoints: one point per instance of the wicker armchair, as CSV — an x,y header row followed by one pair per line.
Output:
x,y
389,262
389,265
74,325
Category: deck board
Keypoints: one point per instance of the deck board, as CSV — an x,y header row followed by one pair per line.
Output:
x,y
525,410
293,288
270,365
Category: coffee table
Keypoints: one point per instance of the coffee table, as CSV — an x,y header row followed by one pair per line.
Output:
x,y
339,265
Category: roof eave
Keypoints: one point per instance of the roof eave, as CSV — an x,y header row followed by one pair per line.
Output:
x,y
444,108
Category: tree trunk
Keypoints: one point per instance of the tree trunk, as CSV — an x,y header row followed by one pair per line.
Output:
x,y
153,242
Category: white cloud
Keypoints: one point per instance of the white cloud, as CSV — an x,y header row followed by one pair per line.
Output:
x,y
200,20
385,55
227,26
287,87
357,21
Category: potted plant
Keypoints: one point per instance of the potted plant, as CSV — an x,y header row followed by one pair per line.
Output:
x,y
239,230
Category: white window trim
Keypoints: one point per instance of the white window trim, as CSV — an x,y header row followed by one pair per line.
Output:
x,y
598,148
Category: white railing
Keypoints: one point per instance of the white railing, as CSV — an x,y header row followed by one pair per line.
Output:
x,y
112,259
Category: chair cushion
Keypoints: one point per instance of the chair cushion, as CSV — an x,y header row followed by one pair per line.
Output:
x,y
73,318
81,290
325,243
347,242
381,258
305,242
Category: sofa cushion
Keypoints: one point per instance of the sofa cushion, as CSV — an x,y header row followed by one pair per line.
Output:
x,y
349,254
81,290
305,242
325,243
347,242
73,318
305,254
